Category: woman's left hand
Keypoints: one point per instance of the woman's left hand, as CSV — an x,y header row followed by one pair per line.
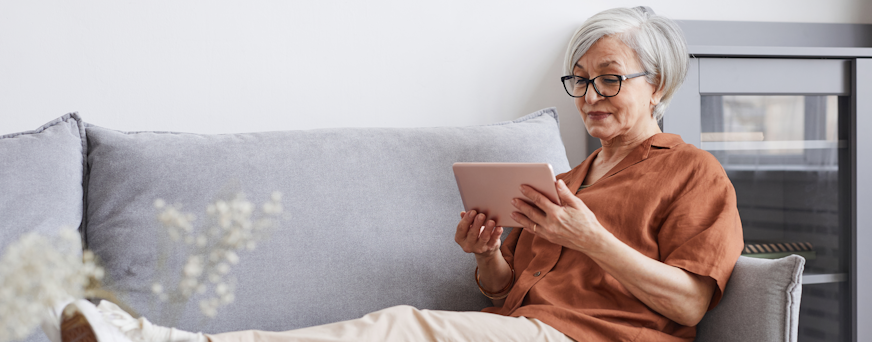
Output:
x,y
570,224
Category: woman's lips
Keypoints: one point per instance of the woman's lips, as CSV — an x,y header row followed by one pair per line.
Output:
x,y
597,115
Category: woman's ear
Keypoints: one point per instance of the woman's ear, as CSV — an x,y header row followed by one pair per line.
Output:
x,y
656,97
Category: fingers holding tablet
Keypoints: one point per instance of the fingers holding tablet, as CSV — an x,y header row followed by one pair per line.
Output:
x,y
476,234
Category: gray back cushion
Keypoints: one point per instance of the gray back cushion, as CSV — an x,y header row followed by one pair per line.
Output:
x,y
760,303
41,173
372,214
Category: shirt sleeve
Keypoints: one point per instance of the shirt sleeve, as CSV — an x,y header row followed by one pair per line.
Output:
x,y
702,231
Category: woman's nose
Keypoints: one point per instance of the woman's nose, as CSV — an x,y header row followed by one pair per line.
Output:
x,y
592,96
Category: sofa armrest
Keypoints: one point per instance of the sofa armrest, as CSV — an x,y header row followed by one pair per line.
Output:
x,y
760,303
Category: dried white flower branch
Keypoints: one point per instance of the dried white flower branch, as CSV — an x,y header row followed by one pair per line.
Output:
x,y
38,272
233,225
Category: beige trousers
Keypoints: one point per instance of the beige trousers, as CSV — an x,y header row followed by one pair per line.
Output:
x,y
406,323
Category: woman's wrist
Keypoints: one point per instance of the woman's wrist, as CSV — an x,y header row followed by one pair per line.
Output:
x,y
493,272
490,257
598,243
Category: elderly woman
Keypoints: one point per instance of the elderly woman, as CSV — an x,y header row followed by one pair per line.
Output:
x,y
648,231
640,248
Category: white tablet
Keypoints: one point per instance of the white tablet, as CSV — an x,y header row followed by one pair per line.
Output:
x,y
490,187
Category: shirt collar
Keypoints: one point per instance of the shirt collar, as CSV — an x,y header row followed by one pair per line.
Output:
x,y
665,140
640,153
660,140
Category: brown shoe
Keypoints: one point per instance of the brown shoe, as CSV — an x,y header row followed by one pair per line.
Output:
x,y
75,328
82,322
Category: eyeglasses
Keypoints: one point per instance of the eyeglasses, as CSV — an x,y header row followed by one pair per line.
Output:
x,y
604,85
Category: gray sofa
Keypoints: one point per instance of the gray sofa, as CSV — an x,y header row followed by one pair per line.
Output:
x,y
370,217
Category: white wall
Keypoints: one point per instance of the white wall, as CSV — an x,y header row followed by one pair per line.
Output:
x,y
241,66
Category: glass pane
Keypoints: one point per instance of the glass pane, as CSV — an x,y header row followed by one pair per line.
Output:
x,y
782,155
779,131
819,314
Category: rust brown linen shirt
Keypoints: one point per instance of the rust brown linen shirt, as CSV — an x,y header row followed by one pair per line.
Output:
x,y
668,200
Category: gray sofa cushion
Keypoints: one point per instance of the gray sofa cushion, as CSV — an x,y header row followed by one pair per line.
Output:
x,y
760,303
372,214
41,182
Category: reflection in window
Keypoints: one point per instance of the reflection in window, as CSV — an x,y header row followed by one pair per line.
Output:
x,y
783,132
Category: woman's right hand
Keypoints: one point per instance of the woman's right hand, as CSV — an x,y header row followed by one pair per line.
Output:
x,y
475,235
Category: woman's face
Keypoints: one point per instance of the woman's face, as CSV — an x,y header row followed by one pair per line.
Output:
x,y
626,115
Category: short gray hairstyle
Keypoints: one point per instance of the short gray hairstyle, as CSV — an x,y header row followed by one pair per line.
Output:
x,y
658,42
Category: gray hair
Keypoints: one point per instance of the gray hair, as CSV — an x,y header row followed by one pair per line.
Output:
x,y
657,41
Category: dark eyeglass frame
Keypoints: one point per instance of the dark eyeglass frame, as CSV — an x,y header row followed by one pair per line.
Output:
x,y
621,79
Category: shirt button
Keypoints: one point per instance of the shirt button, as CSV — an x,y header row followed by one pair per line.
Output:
x,y
537,274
